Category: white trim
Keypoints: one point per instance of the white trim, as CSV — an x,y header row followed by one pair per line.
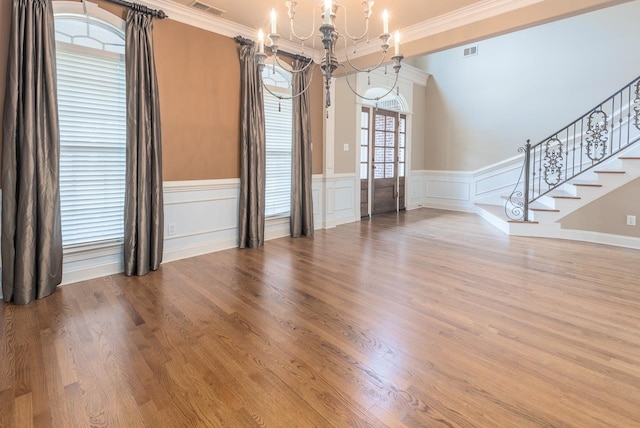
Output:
x,y
461,190
189,206
199,19
411,74
467,15
455,19
184,186
600,238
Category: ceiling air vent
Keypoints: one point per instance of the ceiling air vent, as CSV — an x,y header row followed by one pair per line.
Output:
x,y
470,51
204,6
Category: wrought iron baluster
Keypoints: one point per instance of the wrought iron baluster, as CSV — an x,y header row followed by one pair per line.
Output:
x,y
598,125
636,106
581,142
629,116
573,154
589,140
566,157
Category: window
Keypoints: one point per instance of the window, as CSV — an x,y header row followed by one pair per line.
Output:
x,y
364,143
278,128
402,144
384,142
92,115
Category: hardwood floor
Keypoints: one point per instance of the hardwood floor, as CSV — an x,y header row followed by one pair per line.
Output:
x,y
423,319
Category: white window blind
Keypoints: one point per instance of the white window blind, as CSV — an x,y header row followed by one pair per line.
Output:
x,y
92,114
278,129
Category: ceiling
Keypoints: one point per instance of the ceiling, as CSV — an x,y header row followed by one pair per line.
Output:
x,y
402,14
425,25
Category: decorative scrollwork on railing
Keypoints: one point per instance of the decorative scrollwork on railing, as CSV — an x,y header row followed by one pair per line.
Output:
x,y
514,207
553,161
597,129
610,128
636,106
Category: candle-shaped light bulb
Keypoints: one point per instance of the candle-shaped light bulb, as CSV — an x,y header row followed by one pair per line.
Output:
x,y
274,29
396,40
385,21
260,41
327,11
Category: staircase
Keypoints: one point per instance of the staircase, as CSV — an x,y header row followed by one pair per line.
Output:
x,y
589,158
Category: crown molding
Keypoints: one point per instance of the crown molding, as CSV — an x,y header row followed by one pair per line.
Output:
x,y
195,18
476,12
414,75
467,15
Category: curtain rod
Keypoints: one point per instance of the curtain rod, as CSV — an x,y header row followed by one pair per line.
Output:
x,y
141,8
242,42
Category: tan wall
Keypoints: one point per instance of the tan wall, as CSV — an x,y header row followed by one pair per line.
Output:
x,y
609,213
199,83
418,127
346,128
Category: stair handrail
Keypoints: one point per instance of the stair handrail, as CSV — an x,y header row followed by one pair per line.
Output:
x,y
604,122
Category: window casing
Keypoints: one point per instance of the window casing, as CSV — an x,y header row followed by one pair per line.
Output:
x,y
92,115
279,136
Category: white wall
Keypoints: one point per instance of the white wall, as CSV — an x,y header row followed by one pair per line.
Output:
x,y
524,85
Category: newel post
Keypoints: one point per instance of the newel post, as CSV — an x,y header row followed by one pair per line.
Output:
x,y
527,167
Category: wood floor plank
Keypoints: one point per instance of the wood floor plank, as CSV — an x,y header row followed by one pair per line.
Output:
x,y
422,319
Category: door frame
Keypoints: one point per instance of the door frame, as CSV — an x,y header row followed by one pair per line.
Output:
x,y
371,152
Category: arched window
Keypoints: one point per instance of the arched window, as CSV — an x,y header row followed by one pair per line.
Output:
x,y
92,114
388,101
278,127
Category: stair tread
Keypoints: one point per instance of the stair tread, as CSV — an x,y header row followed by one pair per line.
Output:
x,y
629,157
587,183
561,194
533,205
567,196
523,222
610,172
544,209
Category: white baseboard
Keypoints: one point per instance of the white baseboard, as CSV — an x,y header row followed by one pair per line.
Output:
x,y
600,238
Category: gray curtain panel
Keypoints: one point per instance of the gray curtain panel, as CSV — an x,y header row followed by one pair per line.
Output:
x,y
31,228
143,205
252,151
301,165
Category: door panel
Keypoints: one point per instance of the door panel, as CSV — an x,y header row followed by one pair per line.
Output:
x,y
384,196
385,153
364,198
401,201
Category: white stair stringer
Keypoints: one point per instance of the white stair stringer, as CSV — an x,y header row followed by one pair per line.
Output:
x,y
546,212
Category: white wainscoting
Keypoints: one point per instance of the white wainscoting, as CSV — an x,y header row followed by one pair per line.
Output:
x,y
202,217
459,190
340,197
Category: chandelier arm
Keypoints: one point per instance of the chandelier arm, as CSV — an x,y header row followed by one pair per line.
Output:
x,y
395,84
363,70
346,29
280,97
288,68
313,28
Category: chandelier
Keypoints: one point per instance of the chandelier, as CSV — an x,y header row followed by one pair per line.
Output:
x,y
329,35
